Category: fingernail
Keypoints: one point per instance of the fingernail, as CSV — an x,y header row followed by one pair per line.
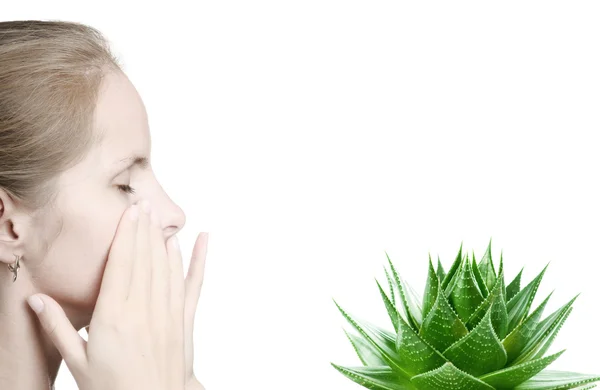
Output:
x,y
35,303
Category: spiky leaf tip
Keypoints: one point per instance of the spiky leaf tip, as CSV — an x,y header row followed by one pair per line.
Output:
x,y
382,340
518,337
486,267
367,353
440,270
544,333
442,327
514,286
453,269
496,303
389,306
391,286
480,282
465,297
409,301
431,290
518,307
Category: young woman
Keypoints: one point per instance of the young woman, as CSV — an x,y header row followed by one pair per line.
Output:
x,y
87,233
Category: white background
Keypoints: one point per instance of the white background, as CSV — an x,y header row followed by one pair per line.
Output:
x,y
308,137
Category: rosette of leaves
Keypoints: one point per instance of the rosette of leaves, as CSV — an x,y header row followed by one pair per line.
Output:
x,y
469,331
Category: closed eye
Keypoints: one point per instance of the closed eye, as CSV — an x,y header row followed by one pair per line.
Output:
x,y
126,188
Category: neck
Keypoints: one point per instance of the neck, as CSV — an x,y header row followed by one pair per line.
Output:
x,y
28,359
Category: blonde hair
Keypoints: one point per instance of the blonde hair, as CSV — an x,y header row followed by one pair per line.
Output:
x,y
50,77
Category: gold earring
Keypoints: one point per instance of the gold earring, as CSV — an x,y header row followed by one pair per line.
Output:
x,y
15,268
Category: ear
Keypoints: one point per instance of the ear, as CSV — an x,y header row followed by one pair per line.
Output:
x,y
11,223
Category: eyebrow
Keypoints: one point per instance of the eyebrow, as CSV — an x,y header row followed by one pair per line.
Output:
x,y
131,161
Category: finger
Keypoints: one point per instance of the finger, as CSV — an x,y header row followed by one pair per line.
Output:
x,y
193,285
176,274
60,330
117,274
195,277
160,271
141,273
176,297
160,263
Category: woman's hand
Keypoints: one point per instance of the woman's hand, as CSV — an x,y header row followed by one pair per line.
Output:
x,y
193,286
136,336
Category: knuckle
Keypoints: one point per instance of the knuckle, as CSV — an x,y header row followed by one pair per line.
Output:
x,y
51,326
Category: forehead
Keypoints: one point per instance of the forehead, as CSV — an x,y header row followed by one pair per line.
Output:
x,y
121,117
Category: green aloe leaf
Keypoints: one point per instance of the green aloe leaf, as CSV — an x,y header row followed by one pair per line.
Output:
x,y
557,380
518,338
480,351
389,306
465,296
540,348
515,375
376,378
449,377
453,270
545,332
495,300
389,279
442,327
518,307
480,282
557,313
501,277
515,286
452,283
383,341
431,290
550,339
415,355
441,274
409,300
486,267
367,353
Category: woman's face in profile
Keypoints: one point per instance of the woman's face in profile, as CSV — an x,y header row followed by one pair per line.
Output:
x,y
67,261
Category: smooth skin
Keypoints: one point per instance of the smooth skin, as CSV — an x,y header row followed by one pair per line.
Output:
x,y
141,332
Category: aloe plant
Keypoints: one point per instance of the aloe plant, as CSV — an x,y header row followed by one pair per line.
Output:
x,y
469,331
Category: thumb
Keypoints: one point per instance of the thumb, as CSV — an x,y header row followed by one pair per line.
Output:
x,y
60,330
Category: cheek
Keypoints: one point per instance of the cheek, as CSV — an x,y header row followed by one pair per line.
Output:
x,y
74,266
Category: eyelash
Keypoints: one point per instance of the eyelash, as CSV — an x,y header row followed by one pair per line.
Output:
x,y
126,188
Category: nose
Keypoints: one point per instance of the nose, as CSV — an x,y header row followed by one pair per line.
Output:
x,y
173,220
171,217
